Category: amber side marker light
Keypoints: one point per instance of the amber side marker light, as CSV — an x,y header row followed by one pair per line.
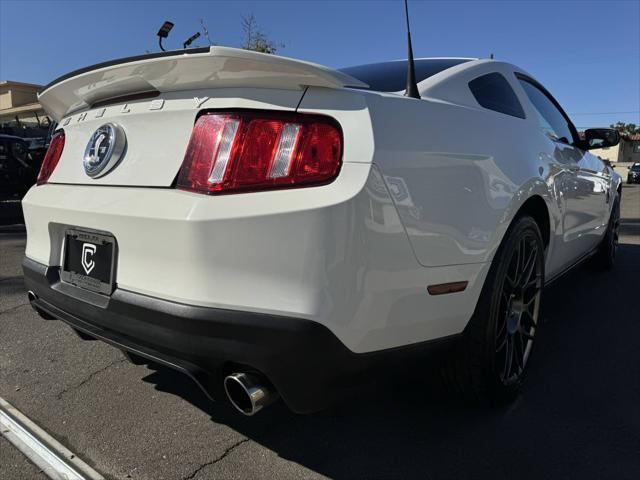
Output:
x,y
444,288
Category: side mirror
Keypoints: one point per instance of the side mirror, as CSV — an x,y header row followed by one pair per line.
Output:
x,y
601,138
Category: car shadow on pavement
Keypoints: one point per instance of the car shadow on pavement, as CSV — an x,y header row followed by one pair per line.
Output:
x,y
576,418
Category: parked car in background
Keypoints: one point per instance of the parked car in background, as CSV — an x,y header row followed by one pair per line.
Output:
x,y
634,173
273,227
37,147
35,143
18,167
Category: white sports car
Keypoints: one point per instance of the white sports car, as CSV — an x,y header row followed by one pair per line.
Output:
x,y
273,227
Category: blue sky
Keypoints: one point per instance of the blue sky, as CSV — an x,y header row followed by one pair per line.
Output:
x,y
587,53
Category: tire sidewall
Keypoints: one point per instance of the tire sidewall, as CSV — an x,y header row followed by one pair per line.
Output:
x,y
603,259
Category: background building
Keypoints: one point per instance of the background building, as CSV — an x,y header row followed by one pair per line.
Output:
x,y
20,112
628,150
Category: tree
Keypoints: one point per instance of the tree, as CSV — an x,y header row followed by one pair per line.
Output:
x,y
205,31
255,39
626,128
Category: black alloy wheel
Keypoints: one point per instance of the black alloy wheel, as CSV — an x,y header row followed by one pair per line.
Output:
x,y
491,359
516,319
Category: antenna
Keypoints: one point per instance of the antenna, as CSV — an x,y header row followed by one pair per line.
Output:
x,y
412,87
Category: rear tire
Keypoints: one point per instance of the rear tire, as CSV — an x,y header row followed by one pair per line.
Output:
x,y
489,363
605,257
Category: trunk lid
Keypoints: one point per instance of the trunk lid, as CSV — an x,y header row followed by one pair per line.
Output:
x,y
155,99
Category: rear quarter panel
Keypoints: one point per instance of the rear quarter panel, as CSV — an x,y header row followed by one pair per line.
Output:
x,y
458,173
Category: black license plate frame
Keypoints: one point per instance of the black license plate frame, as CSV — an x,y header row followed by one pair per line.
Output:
x,y
94,269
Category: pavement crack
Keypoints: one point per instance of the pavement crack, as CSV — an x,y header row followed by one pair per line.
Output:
x,y
16,307
216,460
89,377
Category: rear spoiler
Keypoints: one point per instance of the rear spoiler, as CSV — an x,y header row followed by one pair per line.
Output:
x,y
208,67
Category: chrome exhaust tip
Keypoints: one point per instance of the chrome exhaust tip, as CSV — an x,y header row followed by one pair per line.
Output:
x,y
32,298
247,393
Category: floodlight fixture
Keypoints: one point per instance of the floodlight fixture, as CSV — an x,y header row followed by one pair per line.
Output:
x,y
164,33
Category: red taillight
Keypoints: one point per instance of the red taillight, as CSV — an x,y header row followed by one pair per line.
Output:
x,y
230,152
54,152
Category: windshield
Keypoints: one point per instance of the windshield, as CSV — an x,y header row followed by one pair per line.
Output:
x,y
636,167
392,76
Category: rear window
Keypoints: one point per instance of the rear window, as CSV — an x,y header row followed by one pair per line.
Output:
x,y
392,76
493,91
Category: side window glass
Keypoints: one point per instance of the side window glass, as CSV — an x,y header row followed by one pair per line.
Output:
x,y
551,120
19,152
493,91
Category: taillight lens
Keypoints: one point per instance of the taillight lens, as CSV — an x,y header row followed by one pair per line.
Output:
x,y
51,158
231,152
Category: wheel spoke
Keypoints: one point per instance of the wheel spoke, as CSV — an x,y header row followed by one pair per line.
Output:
x,y
529,267
520,260
526,334
527,318
531,302
532,283
514,267
502,328
509,359
505,297
518,353
503,342
501,332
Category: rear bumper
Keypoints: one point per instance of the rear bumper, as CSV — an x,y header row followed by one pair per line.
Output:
x,y
308,365
336,255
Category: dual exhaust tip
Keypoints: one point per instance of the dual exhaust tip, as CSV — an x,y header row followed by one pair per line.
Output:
x,y
248,392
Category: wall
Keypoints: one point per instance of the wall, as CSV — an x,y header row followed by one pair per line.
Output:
x,y
628,154
610,153
5,98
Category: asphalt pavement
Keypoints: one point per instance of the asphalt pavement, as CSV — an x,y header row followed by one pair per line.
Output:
x,y
578,416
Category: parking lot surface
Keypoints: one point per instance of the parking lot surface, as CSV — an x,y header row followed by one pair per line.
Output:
x,y
578,416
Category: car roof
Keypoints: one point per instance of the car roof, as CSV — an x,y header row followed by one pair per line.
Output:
x,y
390,76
